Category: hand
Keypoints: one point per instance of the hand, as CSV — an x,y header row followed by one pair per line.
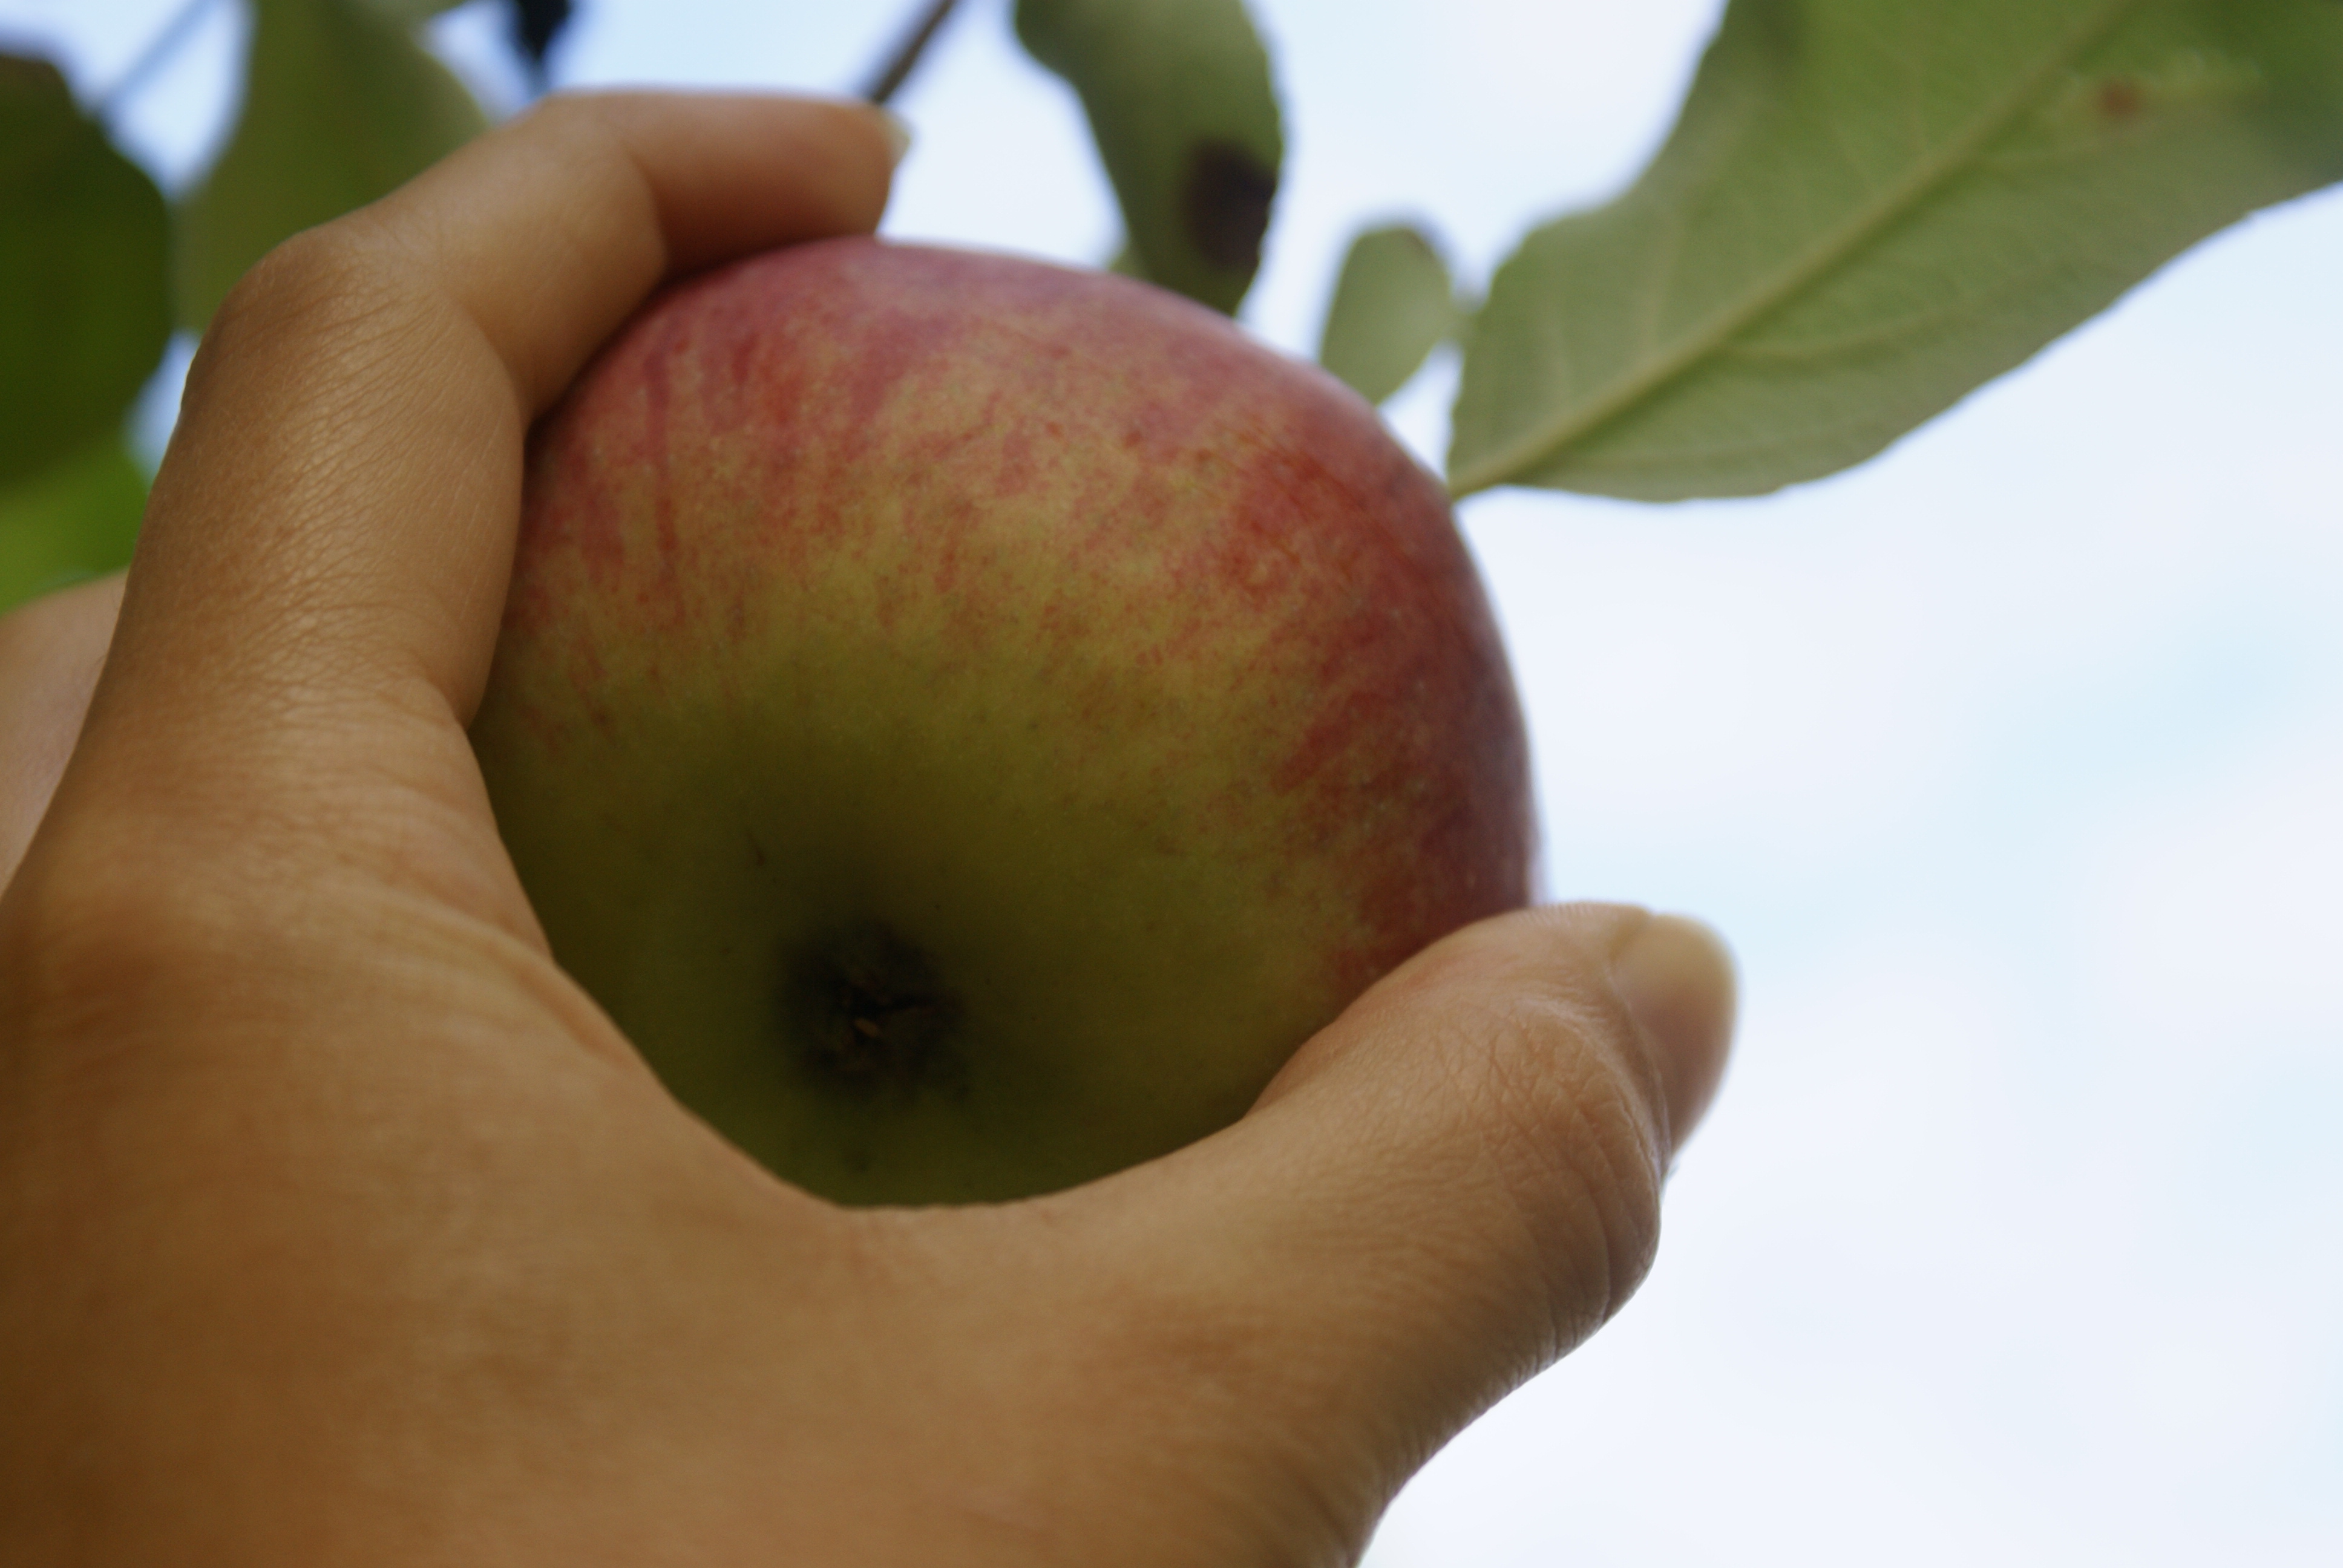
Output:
x,y
338,1227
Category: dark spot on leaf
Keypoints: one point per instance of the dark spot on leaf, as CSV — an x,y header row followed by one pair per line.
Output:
x,y
1226,204
2121,98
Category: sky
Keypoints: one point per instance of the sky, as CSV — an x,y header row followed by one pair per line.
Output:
x,y
2011,763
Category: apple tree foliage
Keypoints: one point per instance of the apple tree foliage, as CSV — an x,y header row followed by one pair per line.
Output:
x,y
1868,208
340,104
83,242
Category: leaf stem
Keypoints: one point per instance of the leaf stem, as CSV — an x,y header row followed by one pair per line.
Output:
x,y
900,64
156,55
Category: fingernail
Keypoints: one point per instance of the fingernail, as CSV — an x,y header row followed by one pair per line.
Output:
x,y
1676,977
898,130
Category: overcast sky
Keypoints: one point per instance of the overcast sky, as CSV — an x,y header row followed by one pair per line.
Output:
x,y
2011,762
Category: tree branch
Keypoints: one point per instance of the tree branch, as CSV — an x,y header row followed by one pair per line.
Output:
x,y
906,57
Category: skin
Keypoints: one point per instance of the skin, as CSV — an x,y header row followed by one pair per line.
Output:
x,y
338,1227
1026,646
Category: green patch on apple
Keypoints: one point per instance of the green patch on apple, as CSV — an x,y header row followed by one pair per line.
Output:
x,y
969,721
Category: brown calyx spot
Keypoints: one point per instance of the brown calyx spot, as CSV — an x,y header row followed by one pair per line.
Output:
x,y
871,1015
1225,204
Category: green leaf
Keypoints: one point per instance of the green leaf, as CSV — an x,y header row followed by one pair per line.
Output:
x,y
75,519
341,105
1181,102
1393,306
1870,208
84,260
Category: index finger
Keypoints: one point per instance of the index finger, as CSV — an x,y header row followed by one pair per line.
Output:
x,y
326,549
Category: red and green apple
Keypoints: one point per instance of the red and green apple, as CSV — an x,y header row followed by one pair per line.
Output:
x,y
968,721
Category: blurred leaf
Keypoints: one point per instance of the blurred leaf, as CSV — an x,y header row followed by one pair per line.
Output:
x,y
77,519
1868,208
1393,306
84,269
341,105
1180,100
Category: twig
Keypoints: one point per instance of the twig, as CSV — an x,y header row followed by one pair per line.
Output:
x,y
900,63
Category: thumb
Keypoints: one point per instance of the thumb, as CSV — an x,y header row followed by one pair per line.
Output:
x,y
1448,1189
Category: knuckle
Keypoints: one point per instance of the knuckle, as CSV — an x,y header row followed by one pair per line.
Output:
x,y
584,132
564,116
317,286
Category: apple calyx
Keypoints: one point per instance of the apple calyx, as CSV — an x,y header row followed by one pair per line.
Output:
x,y
871,1015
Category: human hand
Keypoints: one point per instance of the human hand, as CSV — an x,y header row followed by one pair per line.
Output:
x,y
338,1227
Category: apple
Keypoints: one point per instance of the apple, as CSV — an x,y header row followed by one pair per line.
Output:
x,y
968,721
